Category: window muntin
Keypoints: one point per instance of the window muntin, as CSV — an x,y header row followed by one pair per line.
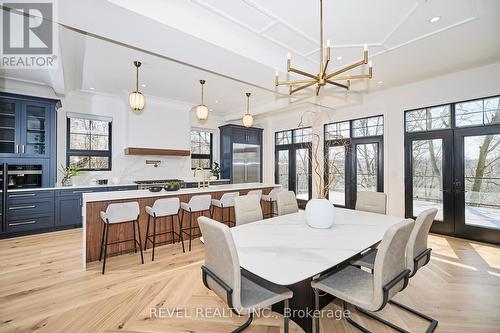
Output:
x,y
283,138
89,143
477,112
302,135
335,131
368,126
434,118
201,149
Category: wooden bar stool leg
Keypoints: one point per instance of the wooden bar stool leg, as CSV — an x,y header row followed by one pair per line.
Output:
x,y
180,233
147,233
105,247
154,239
139,234
190,229
102,240
135,239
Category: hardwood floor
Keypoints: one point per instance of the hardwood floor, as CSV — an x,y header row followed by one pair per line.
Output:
x,y
43,288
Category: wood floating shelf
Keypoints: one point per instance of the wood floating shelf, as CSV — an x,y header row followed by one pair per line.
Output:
x,y
154,151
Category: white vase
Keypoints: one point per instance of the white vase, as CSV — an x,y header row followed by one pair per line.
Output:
x,y
320,213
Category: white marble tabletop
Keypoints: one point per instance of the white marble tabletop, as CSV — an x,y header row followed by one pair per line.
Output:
x,y
285,250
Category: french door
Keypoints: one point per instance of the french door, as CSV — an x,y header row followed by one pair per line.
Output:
x,y
353,166
293,170
458,172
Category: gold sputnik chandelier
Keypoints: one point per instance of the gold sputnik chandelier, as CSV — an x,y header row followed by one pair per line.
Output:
x,y
322,78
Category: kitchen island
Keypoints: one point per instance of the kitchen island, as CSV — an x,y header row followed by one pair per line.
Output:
x,y
94,203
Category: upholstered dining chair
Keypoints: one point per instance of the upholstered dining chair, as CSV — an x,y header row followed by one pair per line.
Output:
x,y
255,192
222,274
374,202
247,209
371,291
417,256
287,203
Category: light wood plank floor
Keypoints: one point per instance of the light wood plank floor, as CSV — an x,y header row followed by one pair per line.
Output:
x,y
43,288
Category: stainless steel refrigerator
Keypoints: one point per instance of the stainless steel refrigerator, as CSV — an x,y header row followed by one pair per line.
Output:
x,y
246,163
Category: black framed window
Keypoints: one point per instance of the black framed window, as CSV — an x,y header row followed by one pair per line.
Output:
x,y
293,156
353,158
201,149
89,142
452,164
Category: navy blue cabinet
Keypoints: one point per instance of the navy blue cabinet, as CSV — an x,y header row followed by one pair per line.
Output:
x,y
28,131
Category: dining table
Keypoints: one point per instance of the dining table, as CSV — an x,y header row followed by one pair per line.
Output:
x,y
286,251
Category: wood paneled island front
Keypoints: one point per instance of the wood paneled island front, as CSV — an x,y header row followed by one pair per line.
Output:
x,y
94,203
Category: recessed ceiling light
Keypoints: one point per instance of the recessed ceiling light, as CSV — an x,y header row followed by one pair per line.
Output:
x,y
339,58
143,85
435,19
216,101
91,88
380,82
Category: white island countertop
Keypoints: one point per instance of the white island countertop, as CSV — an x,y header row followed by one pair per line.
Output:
x,y
136,194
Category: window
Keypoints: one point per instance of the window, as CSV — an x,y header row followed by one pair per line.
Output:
x,y
299,135
434,118
478,112
89,142
353,158
201,149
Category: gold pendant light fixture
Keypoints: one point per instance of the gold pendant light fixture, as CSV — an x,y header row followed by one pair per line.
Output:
x,y
322,78
202,110
136,98
247,118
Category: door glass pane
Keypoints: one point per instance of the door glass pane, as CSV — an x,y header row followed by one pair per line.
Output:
x,y
336,177
283,167
482,180
35,129
302,173
366,167
427,176
7,127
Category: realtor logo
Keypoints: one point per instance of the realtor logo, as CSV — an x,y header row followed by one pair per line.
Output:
x,y
28,35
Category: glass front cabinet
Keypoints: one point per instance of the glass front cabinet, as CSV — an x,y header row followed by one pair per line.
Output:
x,y
26,127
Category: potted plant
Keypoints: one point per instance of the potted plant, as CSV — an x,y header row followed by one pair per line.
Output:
x,y
69,172
216,170
320,212
171,186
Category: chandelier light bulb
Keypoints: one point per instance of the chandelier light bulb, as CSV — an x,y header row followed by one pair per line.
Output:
x,y
365,47
202,109
288,56
328,43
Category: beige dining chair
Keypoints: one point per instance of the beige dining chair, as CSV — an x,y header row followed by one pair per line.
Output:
x,y
417,256
374,202
287,203
370,291
222,274
247,209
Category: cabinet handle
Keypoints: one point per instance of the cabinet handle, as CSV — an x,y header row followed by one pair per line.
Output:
x,y
22,207
77,192
22,223
23,148
22,195
17,149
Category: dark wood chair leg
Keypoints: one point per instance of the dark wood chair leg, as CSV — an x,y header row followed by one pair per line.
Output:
x,y
139,235
105,248
102,240
154,239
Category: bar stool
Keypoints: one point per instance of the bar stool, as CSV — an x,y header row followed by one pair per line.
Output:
x,y
271,198
162,208
226,201
197,204
118,213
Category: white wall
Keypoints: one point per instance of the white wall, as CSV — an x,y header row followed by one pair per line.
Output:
x,y
475,83
162,124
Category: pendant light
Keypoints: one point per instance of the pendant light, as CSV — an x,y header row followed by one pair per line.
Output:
x,y
136,98
202,110
247,118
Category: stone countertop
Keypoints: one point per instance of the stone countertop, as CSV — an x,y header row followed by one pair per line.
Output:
x,y
136,194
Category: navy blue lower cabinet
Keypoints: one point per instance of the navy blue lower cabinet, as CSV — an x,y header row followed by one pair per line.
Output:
x,y
69,210
31,223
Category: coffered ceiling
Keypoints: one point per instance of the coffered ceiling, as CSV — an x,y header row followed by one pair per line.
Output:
x,y
237,44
